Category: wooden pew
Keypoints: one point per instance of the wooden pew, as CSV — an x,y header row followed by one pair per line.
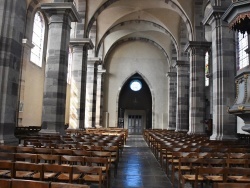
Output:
x,y
231,185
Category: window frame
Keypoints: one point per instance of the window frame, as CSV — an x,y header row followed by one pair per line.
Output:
x,y
241,53
207,68
37,57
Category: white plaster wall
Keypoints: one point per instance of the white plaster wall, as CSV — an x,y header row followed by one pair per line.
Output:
x,y
147,60
33,95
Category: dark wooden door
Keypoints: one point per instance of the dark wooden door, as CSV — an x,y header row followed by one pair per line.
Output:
x,y
135,124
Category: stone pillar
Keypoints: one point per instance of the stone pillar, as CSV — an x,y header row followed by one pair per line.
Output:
x,y
172,87
12,24
99,96
78,84
60,17
223,73
90,104
182,95
197,50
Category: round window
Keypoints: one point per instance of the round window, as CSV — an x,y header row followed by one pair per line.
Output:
x,y
135,85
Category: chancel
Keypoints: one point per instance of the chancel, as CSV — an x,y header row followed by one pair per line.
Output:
x,y
138,84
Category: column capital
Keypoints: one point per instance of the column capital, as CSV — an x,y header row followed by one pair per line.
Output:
x,y
81,42
61,8
197,45
234,10
171,74
214,12
181,63
101,71
93,60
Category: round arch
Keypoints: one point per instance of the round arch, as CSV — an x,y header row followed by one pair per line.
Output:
x,y
171,3
119,42
155,25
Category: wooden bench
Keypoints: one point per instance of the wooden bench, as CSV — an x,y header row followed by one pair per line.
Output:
x,y
231,185
19,183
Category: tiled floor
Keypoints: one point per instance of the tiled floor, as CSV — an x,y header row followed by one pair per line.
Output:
x,y
138,167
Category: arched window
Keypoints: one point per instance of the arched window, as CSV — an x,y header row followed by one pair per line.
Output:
x,y
70,59
38,39
243,58
207,69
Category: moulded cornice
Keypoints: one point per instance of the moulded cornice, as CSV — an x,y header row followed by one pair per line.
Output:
x,y
197,45
93,59
241,72
214,11
56,8
101,71
235,9
82,42
181,63
171,74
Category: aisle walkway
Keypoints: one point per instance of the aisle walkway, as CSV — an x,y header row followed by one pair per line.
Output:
x,y
138,167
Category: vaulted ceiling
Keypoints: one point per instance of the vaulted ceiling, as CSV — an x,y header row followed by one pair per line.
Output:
x,y
151,20
155,21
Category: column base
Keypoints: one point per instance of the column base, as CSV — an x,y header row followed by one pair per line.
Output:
x,y
9,140
7,134
196,133
50,131
223,137
181,130
53,128
89,127
171,128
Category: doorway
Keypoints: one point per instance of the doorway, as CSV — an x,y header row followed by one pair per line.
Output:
x,y
134,124
135,105
134,121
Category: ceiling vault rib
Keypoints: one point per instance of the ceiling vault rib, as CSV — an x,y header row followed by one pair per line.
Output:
x,y
119,42
135,21
109,2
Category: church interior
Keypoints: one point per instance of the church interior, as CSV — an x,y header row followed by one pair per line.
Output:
x,y
139,83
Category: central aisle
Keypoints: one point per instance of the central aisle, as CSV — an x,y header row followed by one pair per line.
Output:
x,y
138,167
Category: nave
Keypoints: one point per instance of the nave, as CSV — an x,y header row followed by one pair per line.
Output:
x,y
189,161
138,168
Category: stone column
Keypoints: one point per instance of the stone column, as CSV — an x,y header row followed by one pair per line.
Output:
x,y
172,87
60,17
197,50
99,96
90,104
223,73
12,24
182,95
78,81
